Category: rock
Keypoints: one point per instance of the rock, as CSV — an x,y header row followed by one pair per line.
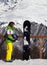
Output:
x,y
39,29
36,29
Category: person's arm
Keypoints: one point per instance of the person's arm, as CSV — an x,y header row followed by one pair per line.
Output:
x,y
13,36
9,34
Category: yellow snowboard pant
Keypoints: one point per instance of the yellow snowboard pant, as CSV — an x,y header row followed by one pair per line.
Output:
x,y
9,51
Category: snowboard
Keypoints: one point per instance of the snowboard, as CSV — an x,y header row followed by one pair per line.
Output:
x,y
26,33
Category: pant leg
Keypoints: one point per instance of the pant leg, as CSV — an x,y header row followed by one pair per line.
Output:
x,y
9,51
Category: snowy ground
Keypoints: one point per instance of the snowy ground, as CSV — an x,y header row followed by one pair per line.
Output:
x,y
29,62
34,10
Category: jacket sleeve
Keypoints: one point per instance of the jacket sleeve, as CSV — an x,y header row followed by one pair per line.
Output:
x,y
10,32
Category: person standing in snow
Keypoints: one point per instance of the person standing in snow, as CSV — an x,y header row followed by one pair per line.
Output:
x,y
9,41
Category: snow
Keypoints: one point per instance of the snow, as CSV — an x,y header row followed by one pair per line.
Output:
x,y
31,10
29,62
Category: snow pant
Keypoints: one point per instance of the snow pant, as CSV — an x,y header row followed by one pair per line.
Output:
x,y
26,52
9,47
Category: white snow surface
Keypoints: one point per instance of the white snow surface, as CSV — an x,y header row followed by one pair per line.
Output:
x,y
29,62
33,10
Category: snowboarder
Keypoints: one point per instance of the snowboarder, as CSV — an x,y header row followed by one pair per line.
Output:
x,y
10,38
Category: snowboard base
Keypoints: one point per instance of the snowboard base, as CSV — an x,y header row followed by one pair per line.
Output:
x,y
26,52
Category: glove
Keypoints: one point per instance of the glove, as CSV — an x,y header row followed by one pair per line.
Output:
x,y
15,36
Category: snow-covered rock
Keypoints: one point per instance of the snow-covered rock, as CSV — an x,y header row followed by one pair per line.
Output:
x,y
31,10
